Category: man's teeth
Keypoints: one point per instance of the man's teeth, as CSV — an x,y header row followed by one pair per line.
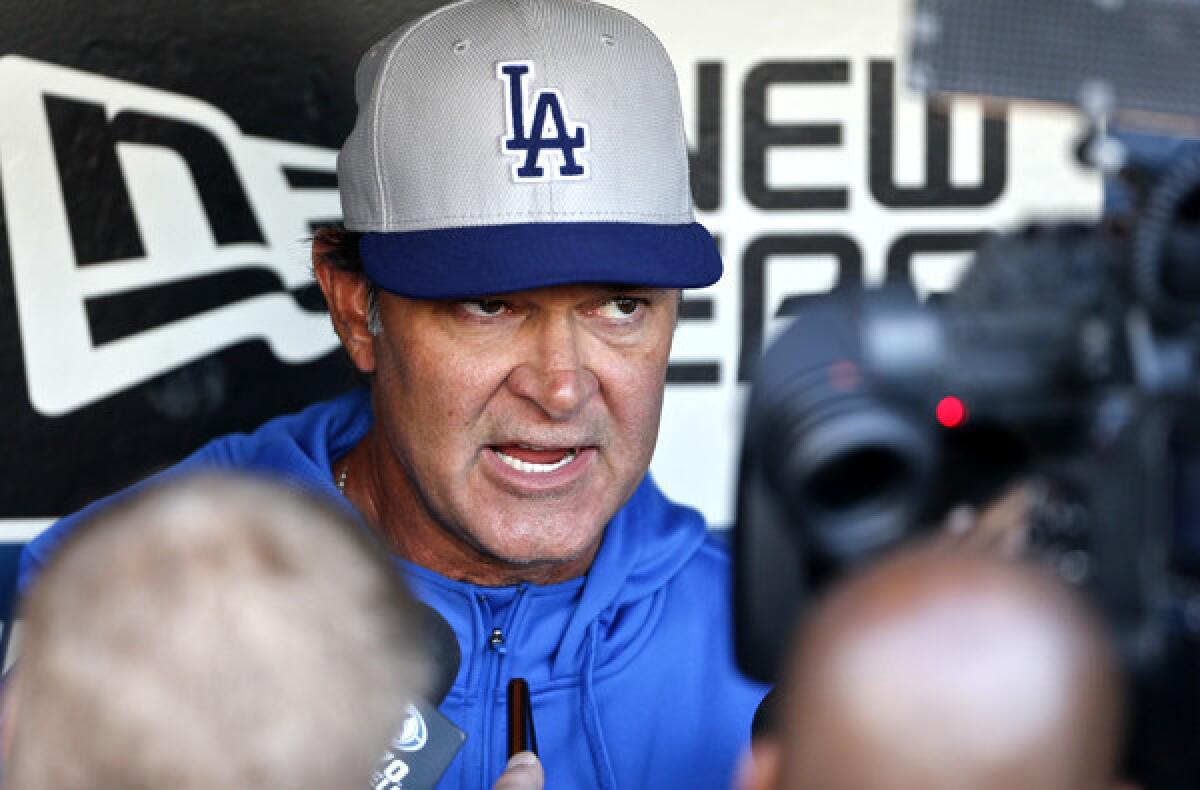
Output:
x,y
530,467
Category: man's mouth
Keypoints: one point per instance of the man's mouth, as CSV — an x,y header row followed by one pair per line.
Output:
x,y
535,460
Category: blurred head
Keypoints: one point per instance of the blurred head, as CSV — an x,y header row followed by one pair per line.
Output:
x,y
935,670
206,633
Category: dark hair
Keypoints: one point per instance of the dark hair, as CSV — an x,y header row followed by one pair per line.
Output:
x,y
342,252
342,247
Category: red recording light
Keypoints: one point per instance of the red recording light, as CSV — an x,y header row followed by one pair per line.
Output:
x,y
951,412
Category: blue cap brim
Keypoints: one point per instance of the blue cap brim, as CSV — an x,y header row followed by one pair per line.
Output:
x,y
460,263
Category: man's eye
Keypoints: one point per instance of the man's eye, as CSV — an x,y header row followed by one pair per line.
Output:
x,y
484,308
622,307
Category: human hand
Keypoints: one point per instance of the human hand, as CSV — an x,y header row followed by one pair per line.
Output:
x,y
1000,528
524,772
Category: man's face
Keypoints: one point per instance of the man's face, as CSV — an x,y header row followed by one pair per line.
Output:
x,y
519,424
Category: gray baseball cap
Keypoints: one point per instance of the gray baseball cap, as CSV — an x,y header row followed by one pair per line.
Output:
x,y
503,145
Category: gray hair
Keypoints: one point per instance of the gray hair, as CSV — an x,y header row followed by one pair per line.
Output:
x,y
374,322
213,632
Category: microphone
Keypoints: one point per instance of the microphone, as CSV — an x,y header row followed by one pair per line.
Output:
x,y
427,741
441,645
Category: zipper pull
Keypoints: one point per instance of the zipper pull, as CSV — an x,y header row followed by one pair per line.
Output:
x,y
496,640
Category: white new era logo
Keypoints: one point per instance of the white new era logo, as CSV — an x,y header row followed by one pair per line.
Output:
x,y
174,236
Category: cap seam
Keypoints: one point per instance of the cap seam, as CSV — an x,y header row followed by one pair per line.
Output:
x,y
383,76
539,19
672,75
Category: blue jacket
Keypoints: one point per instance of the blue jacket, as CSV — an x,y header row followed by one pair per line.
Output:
x,y
631,667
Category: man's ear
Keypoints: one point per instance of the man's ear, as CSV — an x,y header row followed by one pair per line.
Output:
x,y
346,295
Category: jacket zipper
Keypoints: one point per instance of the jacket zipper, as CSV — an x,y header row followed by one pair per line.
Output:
x,y
497,650
496,640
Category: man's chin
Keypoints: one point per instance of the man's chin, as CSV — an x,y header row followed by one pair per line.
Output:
x,y
541,556
534,537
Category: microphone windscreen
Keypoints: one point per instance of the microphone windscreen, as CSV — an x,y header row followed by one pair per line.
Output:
x,y
441,644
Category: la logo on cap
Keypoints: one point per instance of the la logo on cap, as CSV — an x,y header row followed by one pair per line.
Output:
x,y
561,142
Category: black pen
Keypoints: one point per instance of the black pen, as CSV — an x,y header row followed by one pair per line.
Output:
x,y
521,735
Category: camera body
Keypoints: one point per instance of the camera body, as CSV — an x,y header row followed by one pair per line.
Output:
x,y
1067,358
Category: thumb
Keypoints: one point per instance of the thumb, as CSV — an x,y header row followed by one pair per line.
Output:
x,y
524,772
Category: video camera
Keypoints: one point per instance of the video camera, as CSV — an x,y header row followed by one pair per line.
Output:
x,y
1068,356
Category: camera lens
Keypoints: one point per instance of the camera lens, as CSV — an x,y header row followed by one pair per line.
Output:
x,y
855,479
858,476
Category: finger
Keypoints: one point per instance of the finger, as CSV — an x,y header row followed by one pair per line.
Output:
x,y
1004,525
524,772
999,529
957,524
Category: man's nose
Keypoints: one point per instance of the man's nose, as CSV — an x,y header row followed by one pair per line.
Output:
x,y
554,374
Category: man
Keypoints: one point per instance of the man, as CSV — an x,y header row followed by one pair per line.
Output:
x,y
519,226
940,669
212,633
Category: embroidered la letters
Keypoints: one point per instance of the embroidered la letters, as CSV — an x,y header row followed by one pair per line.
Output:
x,y
561,141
